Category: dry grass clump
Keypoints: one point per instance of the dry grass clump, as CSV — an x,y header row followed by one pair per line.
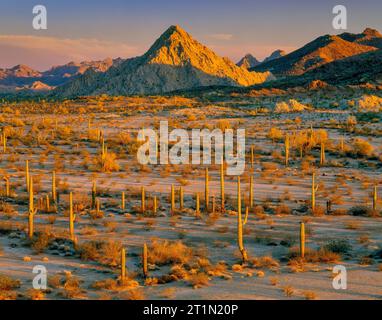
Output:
x,y
198,280
322,255
34,294
288,291
7,283
265,262
104,252
310,295
41,241
116,285
134,294
163,252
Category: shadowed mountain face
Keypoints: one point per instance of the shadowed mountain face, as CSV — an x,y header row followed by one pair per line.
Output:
x,y
275,55
248,61
321,51
174,62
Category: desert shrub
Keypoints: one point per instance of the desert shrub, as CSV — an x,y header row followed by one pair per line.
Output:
x,y
169,252
338,246
362,148
360,211
369,103
7,283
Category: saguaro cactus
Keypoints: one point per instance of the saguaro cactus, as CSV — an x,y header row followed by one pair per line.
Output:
x,y
4,141
302,239
314,190
123,201
251,191
197,207
72,217
222,193
322,154
252,156
375,197
47,204
7,192
54,192
144,261
155,204
143,200
181,194
27,174
94,193
287,146
123,265
32,210
206,190
172,198
240,224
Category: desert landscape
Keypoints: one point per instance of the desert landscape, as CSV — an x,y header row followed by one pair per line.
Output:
x,y
75,199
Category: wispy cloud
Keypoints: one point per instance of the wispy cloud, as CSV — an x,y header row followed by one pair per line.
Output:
x,y
221,36
43,52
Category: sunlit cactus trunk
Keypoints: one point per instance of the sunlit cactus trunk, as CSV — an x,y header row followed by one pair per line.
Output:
x,y
155,204
144,261
222,192
54,192
375,197
287,146
71,217
240,224
27,174
123,265
302,240
32,210
251,191
143,200
172,198
314,190
123,200
181,195
322,154
197,207
206,190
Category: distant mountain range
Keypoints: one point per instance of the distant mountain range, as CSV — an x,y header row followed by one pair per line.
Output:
x,y
177,62
22,76
249,61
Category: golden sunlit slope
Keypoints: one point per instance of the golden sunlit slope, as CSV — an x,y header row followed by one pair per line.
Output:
x,y
175,61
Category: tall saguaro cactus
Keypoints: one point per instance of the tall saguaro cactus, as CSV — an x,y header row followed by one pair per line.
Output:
x,y
375,197
206,190
123,200
172,198
54,192
251,191
314,190
197,206
287,146
143,200
144,261
72,217
4,141
27,174
302,239
222,192
181,194
7,188
123,265
94,193
155,204
240,224
322,154
32,210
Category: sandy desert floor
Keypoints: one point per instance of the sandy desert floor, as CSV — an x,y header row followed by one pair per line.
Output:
x,y
190,256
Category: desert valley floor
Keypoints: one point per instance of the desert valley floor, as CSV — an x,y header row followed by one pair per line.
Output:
x,y
190,255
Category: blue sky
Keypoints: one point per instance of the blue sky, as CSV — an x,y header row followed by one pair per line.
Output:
x,y
87,29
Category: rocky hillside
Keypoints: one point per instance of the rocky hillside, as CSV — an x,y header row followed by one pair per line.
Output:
x,y
174,62
319,52
248,61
